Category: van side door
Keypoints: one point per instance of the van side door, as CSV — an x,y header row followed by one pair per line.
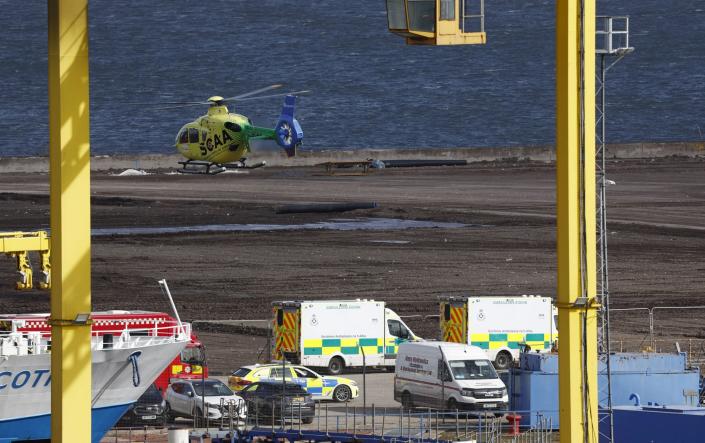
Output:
x,y
445,380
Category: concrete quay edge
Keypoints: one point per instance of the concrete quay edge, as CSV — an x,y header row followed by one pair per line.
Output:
x,y
40,164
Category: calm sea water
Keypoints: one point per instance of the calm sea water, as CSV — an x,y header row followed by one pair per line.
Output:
x,y
369,89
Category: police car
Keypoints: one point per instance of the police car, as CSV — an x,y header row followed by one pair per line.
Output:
x,y
320,387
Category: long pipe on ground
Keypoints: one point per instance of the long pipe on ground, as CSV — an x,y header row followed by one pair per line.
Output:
x,y
324,207
419,163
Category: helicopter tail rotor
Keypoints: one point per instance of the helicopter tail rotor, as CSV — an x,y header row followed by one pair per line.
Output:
x,y
288,131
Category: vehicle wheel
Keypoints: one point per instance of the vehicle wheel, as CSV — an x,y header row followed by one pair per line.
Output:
x,y
307,420
503,360
335,366
406,401
452,404
168,414
342,394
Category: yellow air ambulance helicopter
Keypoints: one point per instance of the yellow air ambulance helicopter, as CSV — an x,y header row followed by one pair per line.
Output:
x,y
220,139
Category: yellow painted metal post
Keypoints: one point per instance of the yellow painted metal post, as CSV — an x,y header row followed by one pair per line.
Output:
x,y
24,268
45,259
575,205
70,220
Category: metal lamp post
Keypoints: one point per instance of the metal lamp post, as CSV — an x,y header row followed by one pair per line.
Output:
x,y
612,39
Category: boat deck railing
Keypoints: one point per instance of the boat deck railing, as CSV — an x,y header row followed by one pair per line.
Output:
x,y
15,342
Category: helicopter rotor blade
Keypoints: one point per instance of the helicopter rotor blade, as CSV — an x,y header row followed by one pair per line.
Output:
x,y
167,103
267,96
182,105
255,92
238,98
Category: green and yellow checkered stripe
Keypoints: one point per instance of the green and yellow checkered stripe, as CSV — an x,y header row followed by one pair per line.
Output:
x,y
345,346
512,341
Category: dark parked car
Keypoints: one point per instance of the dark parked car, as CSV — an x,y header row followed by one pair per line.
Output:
x,y
270,400
147,410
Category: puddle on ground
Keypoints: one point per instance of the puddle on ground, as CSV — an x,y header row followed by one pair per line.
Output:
x,y
391,242
358,224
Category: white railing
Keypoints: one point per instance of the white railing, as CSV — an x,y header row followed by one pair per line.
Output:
x,y
125,336
16,343
130,337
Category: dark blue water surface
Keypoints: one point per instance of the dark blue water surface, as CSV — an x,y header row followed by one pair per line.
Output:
x,y
369,89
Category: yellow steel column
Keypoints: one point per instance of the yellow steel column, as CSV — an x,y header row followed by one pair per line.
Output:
x,y
70,220
575,205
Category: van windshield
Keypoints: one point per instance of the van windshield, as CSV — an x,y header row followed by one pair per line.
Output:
x,y
472,369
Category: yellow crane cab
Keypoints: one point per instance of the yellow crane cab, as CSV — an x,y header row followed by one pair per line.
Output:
x,y
438,22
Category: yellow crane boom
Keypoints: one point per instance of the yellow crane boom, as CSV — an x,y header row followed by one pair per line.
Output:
x,y
18,245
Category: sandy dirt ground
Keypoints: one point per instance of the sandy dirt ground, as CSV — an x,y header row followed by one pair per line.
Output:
x,y
656,214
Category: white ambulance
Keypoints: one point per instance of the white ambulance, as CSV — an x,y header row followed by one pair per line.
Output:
x,y
502,326
335,334
446,375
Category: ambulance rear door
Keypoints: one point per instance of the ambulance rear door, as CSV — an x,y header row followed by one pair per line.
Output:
x,y
287,332
454,325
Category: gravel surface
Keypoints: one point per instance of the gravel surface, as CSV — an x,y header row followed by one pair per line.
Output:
x,y
506,246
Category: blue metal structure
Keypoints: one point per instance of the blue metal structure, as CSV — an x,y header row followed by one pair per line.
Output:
x,y
655,378
658,424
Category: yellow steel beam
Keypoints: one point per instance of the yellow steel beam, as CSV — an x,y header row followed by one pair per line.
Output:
x,y
575,205
70,220
23,241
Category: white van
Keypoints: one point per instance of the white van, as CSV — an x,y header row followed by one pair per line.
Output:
x,y
446,375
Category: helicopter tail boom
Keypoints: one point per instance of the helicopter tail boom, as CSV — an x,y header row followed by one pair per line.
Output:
x,y
288,132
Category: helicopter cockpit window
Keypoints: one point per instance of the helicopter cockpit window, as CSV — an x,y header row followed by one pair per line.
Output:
x,y
233,126
193,135
183,137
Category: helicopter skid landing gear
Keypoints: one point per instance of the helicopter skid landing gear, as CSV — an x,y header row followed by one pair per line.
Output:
x,y
198,167
209,168
241,165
